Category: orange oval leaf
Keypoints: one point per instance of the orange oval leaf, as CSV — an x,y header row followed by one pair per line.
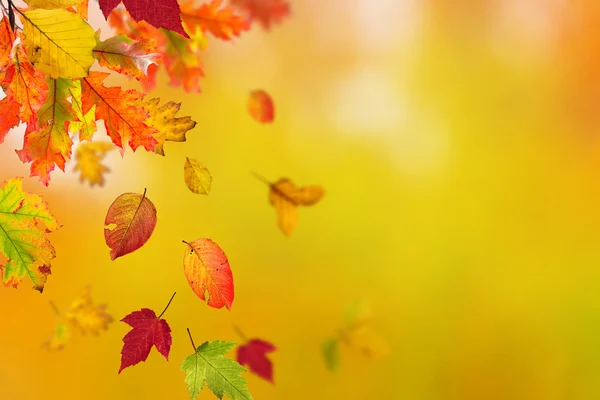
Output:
x,y
260,106
129,223
208,273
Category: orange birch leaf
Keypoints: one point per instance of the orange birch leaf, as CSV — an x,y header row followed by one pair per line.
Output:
x,y
286,197
49,144
123,119
129,223
260,106
208,273
221,22
127,56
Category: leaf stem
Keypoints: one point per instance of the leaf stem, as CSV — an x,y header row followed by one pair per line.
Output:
x,y
186,242
240,333
261,178
168,304
54,308
191,339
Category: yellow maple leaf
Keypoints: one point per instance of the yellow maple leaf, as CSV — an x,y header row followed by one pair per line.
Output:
x,y
60,337
86,316
88,158
169,127
58,42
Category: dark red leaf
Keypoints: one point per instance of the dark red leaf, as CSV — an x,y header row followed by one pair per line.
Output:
x,y
254,354
158,13
147,331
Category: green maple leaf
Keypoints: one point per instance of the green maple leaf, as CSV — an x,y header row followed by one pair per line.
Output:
x,y
24,222
222,375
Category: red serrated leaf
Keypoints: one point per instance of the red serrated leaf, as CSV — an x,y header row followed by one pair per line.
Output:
x,y
266,12
148,330
254,354
158,13
221,22
260,106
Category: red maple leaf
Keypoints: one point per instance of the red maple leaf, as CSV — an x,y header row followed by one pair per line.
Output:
x,y
158,13
254,354
266,12
148,330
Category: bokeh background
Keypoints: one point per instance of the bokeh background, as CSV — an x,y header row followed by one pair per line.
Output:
x,y
457,141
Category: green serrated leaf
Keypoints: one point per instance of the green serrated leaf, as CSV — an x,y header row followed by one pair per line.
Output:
x,y
331,353
222,375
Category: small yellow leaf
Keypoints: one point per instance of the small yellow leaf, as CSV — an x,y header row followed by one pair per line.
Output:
x,y
197,177
89,318
169,127
60,337
58,42
88,157
285,197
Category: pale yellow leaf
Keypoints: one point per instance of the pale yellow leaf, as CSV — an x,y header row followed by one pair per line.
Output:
x,y
197,176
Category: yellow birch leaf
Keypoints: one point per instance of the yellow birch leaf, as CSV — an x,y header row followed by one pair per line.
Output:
x,y
58,42
197,176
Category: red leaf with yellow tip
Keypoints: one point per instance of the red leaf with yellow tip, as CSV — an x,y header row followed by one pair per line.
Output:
x,y
148,330
221,22
254,354
208,273
158,13
127,56
129,223
123,116
266,12
260,106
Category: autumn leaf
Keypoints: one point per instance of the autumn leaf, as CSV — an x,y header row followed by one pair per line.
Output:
x,y
169,128
86,316
331,354
158,13
24,222
7,40
129,223
123,118
58,42
286,197
84,124
60,337
196,176
127,56
148,330
88,157
223,23
51,4
207,271
50,144
221,374
254,354
266,12
260,106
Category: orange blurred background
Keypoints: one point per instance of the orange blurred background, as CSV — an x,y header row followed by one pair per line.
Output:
x,y
458,145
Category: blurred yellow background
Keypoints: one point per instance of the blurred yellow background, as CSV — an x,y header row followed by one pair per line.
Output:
x,y
458,145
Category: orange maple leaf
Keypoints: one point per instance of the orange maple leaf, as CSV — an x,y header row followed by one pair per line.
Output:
x,y
123,119
221,22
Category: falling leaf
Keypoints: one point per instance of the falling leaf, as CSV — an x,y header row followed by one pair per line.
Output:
x,y
24,222
86,316
223,23
127,56
266,12
88,157
260,106
58,42
254,354
60,337
134,219
286,197
158,13
221,374
123,118
197,177
331,353
148,330
169,128
50,144
207,271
